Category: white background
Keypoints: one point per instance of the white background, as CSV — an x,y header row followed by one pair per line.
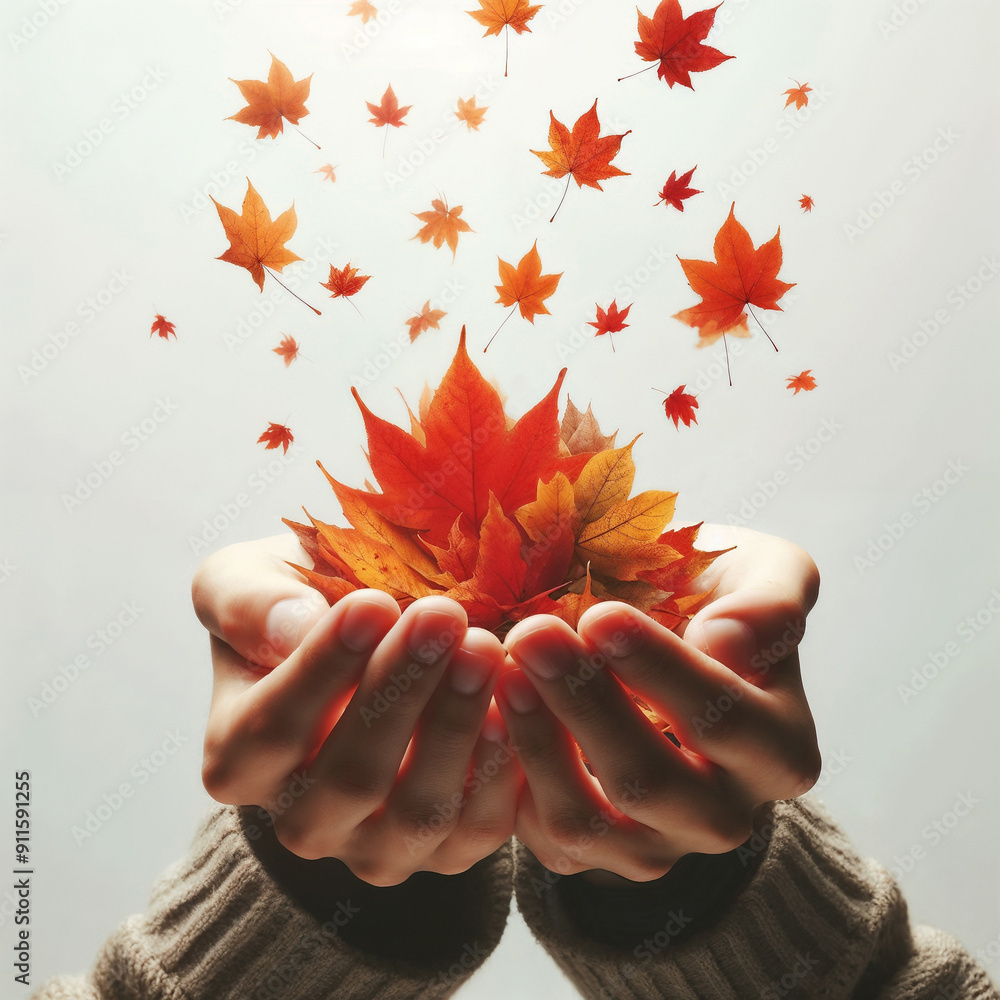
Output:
x,y
137,203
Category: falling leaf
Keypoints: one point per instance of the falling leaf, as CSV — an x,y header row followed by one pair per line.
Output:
x,y
581,154
288,349
739,277
581,433
442,225
328,170
497,15
676,190
276,436
680,405
388,112
799,94
255,241
525,286
807,203
426,319
611,321
469,113
268,103
676,42
345,281
163,327
363,9
803,380
492,513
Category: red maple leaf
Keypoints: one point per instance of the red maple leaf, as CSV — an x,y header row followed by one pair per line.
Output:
x,y
807,203
676,43
288,349
611,321
163,327
799,94
345,282
676,190
276,436
803,380
679,406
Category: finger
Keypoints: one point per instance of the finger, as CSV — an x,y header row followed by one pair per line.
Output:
x,y
760,737
260,731
763,590
357,765
575,683
426,802
562,815
248,596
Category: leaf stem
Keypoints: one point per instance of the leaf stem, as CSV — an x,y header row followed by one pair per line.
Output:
x,y
356,309
563,198
761,325
290,292
506,55
385,140
304,136
637,72
499,328
729,371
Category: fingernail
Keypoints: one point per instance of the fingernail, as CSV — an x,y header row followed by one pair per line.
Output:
x,y
362,627
432,635
468,672
616,633
521,694
729,641
546,658
289,620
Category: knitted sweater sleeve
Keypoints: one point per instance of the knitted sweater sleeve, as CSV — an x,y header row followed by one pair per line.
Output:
x,y
815,920
219,927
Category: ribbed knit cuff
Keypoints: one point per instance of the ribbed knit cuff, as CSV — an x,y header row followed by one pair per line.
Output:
x,y
220,928
815,920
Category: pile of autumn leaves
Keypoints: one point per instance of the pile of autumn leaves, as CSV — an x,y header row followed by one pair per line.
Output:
x,y
509,518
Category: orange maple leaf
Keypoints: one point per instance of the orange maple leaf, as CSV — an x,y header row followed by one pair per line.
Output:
x,y
582,154
469,113
525,287
493,513
257,243
739,277
363,9
807,203
387,112
680,405
501,15
328,170
288,349
675,42
676,190
799,94
426,319
276,436
268,103
803,380
611,321
441,225
163,327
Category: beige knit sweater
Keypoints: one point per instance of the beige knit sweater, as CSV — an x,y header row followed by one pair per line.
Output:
x,y
815,921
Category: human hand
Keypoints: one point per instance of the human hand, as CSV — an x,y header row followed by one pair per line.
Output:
x,y
730,689
364,733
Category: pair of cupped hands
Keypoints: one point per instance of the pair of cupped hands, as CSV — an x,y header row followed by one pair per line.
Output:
x,y
406,742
